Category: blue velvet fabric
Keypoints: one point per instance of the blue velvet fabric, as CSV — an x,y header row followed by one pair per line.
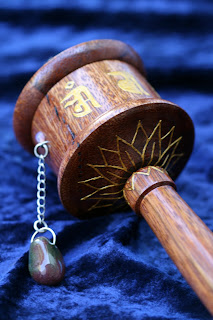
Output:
x,y
115,267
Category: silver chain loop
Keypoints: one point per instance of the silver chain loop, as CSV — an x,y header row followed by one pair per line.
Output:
x,y
40,225
41,185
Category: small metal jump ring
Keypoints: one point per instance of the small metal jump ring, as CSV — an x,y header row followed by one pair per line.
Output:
x,y
43,145
44,229
35,225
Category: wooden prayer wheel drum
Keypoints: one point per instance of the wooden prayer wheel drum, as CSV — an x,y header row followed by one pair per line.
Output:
x,y
103,120
112,137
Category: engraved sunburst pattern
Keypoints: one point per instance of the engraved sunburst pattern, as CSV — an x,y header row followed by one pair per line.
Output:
x,y
105,188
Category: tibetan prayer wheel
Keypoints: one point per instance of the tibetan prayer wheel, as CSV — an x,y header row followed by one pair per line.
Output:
x,y
112,140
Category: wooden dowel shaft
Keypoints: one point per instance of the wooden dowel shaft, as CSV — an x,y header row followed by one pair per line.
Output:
x,y
184,236
187,240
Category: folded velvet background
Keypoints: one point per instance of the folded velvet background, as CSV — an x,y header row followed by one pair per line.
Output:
x,y
116,269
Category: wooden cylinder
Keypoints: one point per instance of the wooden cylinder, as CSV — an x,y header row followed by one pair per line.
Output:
x,y
103,120
187,240
80,102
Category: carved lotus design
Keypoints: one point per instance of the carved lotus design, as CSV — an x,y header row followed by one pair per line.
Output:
x,y
105,188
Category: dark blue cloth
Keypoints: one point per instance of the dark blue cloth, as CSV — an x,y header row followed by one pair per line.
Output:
x,y
115,267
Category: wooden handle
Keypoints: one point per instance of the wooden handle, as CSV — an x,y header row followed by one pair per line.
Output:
x,y
187,240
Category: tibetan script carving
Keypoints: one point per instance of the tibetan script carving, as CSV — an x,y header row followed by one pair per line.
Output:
x,y
81,99
129,83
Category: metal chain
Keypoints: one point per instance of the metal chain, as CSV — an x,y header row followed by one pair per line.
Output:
x,y
40,225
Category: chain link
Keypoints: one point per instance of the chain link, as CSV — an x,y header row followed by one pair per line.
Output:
x,y
40,224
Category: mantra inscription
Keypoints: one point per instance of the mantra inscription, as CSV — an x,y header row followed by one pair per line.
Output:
x,y
82,101
129,83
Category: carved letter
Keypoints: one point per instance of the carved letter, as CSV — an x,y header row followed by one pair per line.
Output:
x,y
129,83
81,98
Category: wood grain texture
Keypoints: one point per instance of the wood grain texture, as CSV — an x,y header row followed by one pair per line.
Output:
x,y
57,68
120,128
105,121
60,124
187,240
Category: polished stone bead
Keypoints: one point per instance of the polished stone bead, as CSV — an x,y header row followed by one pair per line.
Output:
x,y
46,263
